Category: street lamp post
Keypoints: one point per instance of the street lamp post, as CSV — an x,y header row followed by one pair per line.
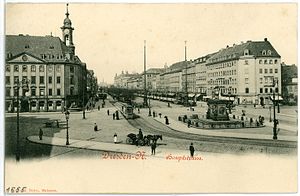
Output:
x,y
278,108
270,108
67,114
186,85
149,106
145,80
24,84
274,114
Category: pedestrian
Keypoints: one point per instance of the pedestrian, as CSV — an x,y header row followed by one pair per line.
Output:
x,y
114,116
95,127
57,123
108,112
159,115
41,134
98,107
115,138
153,114
153,147
140,135
189,123
192,150
138,110
117,115
166,120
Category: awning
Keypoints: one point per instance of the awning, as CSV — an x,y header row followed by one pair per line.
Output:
x,y
225,98
207,97
197,95
276,98
191,95
171,94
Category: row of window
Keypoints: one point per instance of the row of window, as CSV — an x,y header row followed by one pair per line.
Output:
x,y
268,80
227,90
270,61
222,73
266,71
41,79
33,92
33,79
222,65
33,68
261,90
41,92
222,82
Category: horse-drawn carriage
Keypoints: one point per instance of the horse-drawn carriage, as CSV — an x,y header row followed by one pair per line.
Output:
x,y
136,139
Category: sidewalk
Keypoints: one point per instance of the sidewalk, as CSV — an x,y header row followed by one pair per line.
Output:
x,y
161,152
179,126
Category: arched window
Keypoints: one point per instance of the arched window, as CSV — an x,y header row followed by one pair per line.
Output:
x,y
264,52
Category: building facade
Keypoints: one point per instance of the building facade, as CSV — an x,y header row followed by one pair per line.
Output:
x,y
55,76
248,72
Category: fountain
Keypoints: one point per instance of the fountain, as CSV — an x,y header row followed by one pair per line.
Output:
x,y
217,117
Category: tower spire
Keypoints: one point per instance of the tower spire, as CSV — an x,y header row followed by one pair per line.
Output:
x,y
67,13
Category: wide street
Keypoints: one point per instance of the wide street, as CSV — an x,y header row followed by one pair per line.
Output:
x,y
83,130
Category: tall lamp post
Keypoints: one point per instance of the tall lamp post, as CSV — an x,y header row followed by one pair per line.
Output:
x,y
186,85
278,109
24,83
67,114
145,80
274,114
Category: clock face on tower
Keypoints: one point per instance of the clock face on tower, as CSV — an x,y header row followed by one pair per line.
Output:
x,y
66,31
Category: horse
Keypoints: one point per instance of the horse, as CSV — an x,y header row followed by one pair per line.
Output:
x,y
154,138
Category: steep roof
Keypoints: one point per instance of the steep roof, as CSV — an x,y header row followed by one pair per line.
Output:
x,y
155,70
255,48
48,48
176,66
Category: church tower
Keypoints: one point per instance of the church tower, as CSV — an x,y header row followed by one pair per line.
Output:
x,y
67,33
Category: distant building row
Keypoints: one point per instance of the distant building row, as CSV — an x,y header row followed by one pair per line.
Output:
x,y
245,71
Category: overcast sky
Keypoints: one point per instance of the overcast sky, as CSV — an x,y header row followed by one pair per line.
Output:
x,y
110,37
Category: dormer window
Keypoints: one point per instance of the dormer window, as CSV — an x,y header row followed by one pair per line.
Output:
x,y
269,52
26,46
51,47
246,52
9,55
263,52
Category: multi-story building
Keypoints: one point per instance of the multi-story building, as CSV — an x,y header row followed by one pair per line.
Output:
x,y
246,71
56,76
123,80
289,75
135,82
200,76
189,79
151,78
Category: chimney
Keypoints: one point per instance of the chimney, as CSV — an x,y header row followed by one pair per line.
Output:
x,y
266,39
227,46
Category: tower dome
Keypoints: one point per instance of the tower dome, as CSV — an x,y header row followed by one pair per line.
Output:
x,y
67,21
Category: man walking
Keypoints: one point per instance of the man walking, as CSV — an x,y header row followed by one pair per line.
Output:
x,y
192,150
108,112
153,147
41,134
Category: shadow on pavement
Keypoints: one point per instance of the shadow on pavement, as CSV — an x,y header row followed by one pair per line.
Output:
x,y
28,126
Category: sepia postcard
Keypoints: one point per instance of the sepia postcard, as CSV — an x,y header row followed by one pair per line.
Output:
x,y
153,98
